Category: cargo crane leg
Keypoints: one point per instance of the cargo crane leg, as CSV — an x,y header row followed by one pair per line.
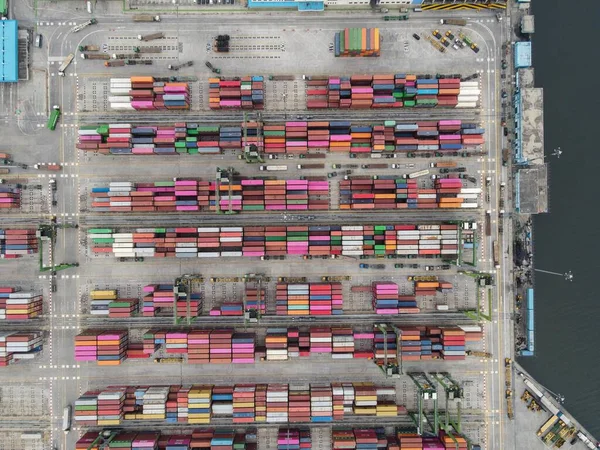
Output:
x,y
453,392
425,391
390,370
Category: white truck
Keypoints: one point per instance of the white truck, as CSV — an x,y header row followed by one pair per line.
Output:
x,y
420,173
65,64
274,168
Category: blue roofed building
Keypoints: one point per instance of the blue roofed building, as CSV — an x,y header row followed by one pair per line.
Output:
x,y
9,51
522,55
304,5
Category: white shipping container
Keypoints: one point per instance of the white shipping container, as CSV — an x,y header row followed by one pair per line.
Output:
x,y
352,228
208,230
119,125
121,106
208,254
118,99
469,84
466,105
231,229
442,307
352,238
469,205
234,254
88,133
470,191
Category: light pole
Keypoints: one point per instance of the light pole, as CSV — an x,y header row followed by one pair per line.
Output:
x,y
176,3
568,276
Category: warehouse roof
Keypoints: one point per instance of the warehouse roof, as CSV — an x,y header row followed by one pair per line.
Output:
x,y
522,54
9,55
527,24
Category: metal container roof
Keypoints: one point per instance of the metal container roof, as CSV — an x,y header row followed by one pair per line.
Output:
x,y
9,51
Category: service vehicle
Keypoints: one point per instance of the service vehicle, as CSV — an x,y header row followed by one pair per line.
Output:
x,y
53,119
65,64
437,34
146,18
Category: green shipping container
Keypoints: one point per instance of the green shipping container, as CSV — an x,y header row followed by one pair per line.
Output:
x,y
164,183
275,238
389,123
409,103
103,240
253,207
208,129
179,144
297,239
100,231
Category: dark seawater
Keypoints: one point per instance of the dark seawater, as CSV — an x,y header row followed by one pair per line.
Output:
x,y
566,51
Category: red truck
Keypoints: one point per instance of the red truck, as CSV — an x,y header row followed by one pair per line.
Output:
x,y
47,166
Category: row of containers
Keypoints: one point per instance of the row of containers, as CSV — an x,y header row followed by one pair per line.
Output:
x,y
16,346
357,42
200,439
18,305
225,195
10,197
405,194
159,298
146,93
288,438
291,299
431,240
235,93
228,346
240,403
17,242
297,137
390,91
190,195
379,439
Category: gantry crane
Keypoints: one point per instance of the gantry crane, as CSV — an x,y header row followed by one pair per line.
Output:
x,y
183,286
252,153
251,315
391,370
102,442
425,391
453,392
224,176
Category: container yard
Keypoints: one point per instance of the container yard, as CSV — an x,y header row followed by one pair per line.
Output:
x,y
313,280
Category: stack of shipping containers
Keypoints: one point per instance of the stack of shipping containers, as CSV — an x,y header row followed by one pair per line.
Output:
x,y
357,42
295,137
15,243
390,91
240,93
212,242
19,345
10,197
145,93
18,305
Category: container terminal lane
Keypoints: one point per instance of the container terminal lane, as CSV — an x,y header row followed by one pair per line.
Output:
x,y
69,270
